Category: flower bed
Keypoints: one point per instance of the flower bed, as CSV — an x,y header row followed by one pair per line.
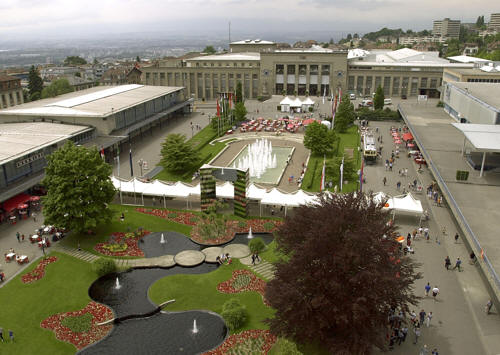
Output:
x,y
254,341
125,244
99,313
39,271
187,218
243,280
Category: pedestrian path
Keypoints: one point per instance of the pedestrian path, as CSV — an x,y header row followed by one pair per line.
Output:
x,y
263,268
79,254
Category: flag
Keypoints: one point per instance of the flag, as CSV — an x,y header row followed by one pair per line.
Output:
x,y
342,174
322,186
334,110
102,153
222,104
131,166
324,94
218,108
361,176
482,253
340,95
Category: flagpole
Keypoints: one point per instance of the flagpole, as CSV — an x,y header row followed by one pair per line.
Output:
x,y
120,181
342,174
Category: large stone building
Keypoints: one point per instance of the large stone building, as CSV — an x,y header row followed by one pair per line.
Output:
x,y
264,70
446,28
494,22
11,92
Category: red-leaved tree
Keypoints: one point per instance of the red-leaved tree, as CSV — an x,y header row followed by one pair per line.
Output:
x,y
343,273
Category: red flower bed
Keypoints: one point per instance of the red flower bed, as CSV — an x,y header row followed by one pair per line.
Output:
x,y
231,344
187,218
99,312
255,284
119,237
39,271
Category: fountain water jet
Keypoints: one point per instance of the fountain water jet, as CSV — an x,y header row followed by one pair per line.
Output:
x,y
162,239
195,328
117,284
250,235
258,159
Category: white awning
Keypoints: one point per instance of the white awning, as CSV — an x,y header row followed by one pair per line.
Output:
x,y
483,137
407,203
286,101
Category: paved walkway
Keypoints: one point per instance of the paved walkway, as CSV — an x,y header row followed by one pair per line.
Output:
x,y
263,268
460,325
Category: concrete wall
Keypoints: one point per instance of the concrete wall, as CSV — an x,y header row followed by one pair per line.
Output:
x,y
459,105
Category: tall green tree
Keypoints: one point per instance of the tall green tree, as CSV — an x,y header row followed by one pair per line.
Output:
x,y
74,60
378,100
345,114
178,155
209,50
137,59
319,139
340,276
78,188
56,88
35,84
333,170
240,111
239,92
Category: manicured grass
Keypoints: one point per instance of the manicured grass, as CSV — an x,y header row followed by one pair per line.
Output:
x,y
63,289
133,220
312,177
200,292
271,254
78,324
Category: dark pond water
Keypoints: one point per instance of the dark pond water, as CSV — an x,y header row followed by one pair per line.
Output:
x,y
131,297
163,333
174,243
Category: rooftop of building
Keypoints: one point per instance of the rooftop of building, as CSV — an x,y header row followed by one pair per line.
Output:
x,y
253,56
313,49
252,41
400,57
20,139
100,101
485,70
488,93
467,59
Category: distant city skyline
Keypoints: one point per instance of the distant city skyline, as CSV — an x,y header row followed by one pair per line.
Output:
x,y
53,19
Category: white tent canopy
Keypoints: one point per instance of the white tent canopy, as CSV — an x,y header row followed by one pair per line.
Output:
x,y
255,193
296,103
407,203
286,101
225,190
308,101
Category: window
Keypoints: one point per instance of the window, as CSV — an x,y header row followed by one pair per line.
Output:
x,y
423,82
280,69
302,69
290,69
325,69
395,86
433,83
350,83
313,69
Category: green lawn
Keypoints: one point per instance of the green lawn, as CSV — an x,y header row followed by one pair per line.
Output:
x,y
351,140
200,292
205,150
133,220
64,288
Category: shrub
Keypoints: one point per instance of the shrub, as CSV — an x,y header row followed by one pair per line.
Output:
x,y
78,324
242,224
234,314
268,226
116,247
103,266
286,347
194,219
256,245
440,104
172,215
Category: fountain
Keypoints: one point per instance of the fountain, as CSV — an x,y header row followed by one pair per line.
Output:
x,y
162,239
195,328
250,235
117,284
258,159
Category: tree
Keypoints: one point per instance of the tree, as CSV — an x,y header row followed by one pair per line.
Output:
x,y
349,37
333,170
343,276
35,84
378,100
212,225
331,41
78,188
345,115
96,61
319,139
234,313
480,21
356,35
74,60
56,88
178,155
137,59
209,50
239,92
240,111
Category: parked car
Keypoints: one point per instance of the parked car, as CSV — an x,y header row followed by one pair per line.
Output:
x,y
403,97
367,103
352,96
387,102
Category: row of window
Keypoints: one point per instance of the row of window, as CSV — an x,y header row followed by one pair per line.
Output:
x,y
366,85
6,85
228,64
483,80
302,69
8,99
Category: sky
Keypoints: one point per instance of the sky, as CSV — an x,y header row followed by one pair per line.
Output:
x,y
33,19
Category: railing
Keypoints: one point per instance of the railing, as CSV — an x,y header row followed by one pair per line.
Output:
x,y
455,209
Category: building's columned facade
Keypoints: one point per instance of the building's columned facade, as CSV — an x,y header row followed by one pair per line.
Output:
x,y
11,92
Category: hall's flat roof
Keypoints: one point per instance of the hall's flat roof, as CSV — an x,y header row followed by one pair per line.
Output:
x,y
488,93
20,139
483,137
98,101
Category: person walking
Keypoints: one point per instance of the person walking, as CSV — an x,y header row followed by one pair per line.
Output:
x,y
34,216
1,334
456,238
435,351
18,236
390,166
384,180
398,185
428,320
435,292
447,263
11,335
427,289
457,264
424,350
417,334
422,315
253,259
489,304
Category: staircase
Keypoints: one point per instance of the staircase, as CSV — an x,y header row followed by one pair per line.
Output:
x,y
264,269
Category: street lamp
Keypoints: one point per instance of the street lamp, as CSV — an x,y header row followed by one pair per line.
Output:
x,y
141,163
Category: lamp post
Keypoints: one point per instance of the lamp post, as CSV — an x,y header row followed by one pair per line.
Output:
x,y
141,164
